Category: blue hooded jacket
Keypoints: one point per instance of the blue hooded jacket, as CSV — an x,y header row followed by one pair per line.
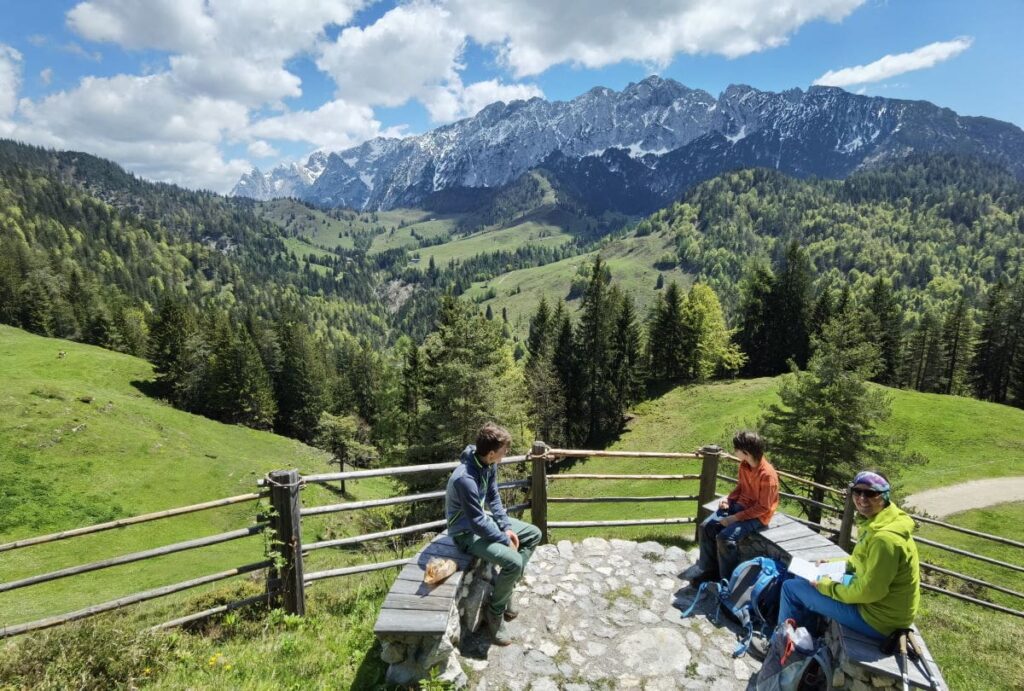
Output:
x,y
470,487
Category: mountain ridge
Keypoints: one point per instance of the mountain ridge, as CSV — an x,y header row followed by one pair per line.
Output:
x,y
674,135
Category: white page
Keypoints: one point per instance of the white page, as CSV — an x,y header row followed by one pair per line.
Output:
x,y
833,569
812,572
804,569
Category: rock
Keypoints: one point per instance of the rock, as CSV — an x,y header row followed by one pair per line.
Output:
x,y
622,547
549,648
565,549
596,546
539,664
741,670
544,684
658,651
651,548
673,553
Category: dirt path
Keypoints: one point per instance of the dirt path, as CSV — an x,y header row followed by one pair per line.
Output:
x,y
976,494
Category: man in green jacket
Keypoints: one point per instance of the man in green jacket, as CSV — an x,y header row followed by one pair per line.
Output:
x,y
882,589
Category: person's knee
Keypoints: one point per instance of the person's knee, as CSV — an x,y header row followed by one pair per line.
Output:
x,y
531,535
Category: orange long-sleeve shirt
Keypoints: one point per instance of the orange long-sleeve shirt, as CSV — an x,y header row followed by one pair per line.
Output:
x,y
757,490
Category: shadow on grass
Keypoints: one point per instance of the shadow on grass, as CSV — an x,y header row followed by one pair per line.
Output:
x,y
149,388
372,669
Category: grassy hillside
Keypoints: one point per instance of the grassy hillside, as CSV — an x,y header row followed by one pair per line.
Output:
x,y
83,444
632,261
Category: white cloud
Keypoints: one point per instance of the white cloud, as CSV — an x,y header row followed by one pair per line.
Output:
x,y
453,101
892,65
261,149
175,25
334,125
407,52
533,35
46,76
144,123
10,79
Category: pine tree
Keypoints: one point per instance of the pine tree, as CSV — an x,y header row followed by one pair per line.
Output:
x,y
824,309
668,342
957,334
626,366
567,366
789,311
883,325
593,336
755,295
245,394
301,385
992,364
172,327
469,377
546,400
825,427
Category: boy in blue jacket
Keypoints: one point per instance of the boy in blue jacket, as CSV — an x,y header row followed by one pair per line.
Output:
x,y
505,542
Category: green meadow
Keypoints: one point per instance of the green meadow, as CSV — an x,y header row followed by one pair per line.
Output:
x,y
82,444
631,261
86,444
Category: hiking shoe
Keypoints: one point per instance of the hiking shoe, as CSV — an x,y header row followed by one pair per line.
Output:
x,y
510,611
496,627
703,577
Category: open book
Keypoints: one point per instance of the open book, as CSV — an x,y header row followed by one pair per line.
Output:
x,y
812,572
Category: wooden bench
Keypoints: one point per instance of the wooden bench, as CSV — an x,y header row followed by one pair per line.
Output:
x,y
859,663
412,606
419,626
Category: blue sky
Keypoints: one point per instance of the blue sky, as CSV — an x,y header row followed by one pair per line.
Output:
x,y
198,91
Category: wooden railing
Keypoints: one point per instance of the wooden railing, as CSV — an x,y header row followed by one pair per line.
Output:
x,y
287,578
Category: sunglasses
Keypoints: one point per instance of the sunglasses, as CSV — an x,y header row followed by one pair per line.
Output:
x,y
865,493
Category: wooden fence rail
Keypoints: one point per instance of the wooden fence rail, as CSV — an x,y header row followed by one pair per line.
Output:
x,y
286,578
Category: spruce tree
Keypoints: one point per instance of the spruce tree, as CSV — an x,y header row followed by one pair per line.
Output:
x,y
626,366
957,335
172,326
826,425
594,336
301,384
668,342
883,325
992,364
755,296
567,366
546,399
788,332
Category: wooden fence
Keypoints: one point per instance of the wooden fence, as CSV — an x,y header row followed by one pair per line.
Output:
x,y
287,578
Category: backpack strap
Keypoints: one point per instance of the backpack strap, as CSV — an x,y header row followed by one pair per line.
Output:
x,y
696,599
741,648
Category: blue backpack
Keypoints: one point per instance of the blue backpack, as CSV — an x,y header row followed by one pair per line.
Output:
x,y
750,596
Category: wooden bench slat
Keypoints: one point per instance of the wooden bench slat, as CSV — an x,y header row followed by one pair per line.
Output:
x,y
398,601
794,529
411,621
797,542
415,572
447,589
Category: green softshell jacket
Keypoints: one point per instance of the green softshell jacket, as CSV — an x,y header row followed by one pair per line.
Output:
x,y
886,586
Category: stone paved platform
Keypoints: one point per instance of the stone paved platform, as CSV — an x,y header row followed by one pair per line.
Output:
x,y
603,614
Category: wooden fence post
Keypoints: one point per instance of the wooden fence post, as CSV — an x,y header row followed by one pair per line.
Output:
x,y
539,490
284,498
845,539
708,483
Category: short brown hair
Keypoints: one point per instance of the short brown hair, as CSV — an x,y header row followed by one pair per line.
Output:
x,y
491,437
749,441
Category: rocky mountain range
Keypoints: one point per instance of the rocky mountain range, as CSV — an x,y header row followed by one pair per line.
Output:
x,y
638,149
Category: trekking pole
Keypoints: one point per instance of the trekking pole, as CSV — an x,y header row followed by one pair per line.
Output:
x,y
918,649
902,659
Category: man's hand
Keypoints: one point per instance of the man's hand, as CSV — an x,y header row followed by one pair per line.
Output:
x,y
513,538
724,504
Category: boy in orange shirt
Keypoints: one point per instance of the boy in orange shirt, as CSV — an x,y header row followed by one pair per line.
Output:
x,y
749,507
